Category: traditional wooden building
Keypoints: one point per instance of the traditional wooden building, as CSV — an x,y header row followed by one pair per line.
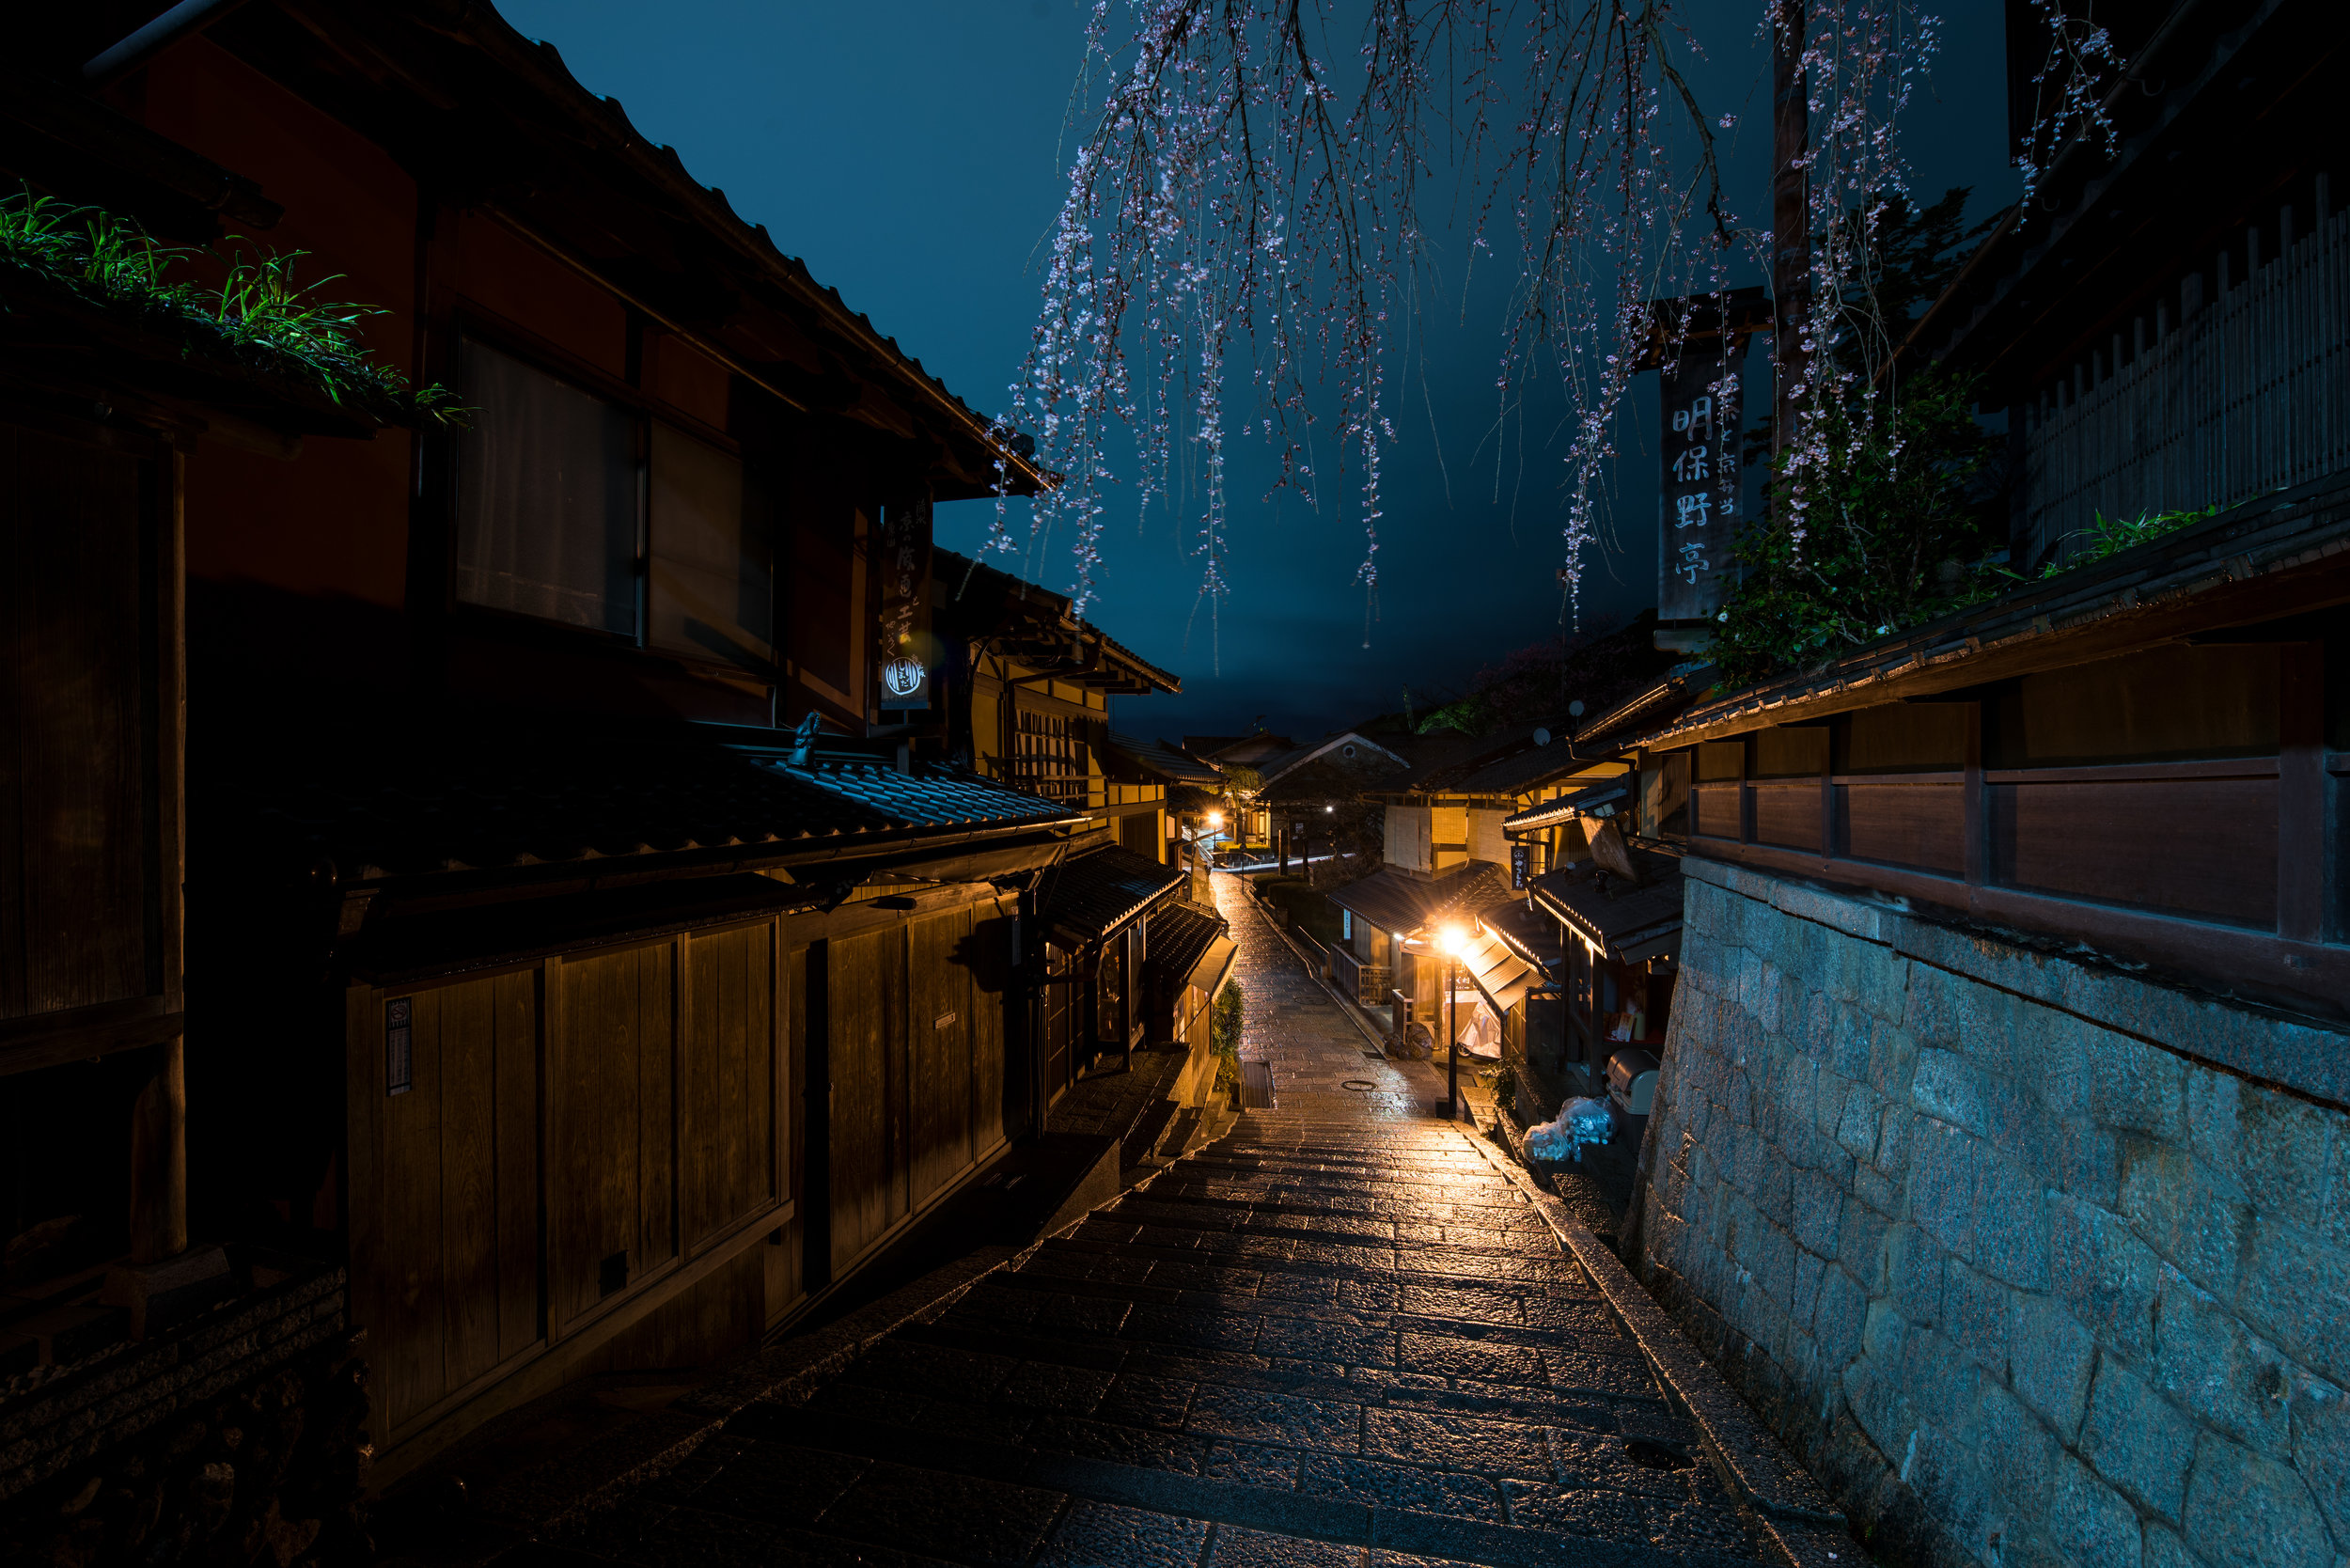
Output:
x,y
587,950
1027,697
1027,694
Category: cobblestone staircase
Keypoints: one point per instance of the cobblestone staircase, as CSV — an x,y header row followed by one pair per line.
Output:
x,y
1317,1341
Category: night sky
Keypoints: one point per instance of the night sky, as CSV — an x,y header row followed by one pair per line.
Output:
x,y
913,153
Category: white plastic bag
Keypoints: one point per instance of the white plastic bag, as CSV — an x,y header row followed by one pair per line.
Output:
x,y
1579,1122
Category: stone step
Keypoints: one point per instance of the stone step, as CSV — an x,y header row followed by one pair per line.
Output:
x,y
1635,1409
1560,1277
1277,1197
1010,1490
1301,1278
1306,1274
1483,1315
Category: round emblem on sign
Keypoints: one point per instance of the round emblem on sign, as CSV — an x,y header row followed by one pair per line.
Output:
x,y
904,677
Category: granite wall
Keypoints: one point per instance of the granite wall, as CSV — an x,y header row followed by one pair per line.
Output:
x,y
237,1439
2034,1261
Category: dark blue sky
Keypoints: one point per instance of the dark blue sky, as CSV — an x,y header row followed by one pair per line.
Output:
x,y
912,151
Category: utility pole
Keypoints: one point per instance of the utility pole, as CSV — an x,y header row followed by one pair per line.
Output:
x,y
1791,219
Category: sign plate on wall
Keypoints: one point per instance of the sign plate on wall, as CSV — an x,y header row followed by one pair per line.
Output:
x,y
1697,492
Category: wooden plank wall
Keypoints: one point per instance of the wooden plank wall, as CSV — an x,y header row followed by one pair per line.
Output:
x,y
584,1144
611,1127
77,670
916,1046
867,1038
2156,803
454,1289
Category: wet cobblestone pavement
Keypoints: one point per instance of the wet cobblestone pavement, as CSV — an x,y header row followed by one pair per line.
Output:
x,y
1336,1336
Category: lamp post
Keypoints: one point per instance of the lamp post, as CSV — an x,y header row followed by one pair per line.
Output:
x,y
1455,939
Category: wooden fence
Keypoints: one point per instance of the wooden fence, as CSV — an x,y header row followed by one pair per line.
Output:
x,y
2209,402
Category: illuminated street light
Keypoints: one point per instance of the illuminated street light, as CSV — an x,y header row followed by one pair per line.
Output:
x,y
1454,939
1215,818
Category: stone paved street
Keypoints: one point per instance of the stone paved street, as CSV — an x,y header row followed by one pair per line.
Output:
x,y
1336,1336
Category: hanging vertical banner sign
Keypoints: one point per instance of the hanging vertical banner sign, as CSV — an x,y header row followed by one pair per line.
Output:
x,y
904,655
1697,494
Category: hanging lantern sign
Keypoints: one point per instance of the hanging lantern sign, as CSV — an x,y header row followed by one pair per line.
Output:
x,y
905,641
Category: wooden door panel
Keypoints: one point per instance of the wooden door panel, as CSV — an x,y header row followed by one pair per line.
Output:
x,y
938,1038
866,1036
727,1073
457,1269
612,1211
991,953
74,678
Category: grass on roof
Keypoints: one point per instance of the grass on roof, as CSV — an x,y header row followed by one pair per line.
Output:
x,y
258,315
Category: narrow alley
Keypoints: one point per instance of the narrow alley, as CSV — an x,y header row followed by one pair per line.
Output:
x,y
1339,1335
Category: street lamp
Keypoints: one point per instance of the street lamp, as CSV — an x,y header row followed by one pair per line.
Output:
x,y
1454,939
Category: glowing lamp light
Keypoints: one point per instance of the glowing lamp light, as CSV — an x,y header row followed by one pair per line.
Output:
x,y
1455,940
1215,818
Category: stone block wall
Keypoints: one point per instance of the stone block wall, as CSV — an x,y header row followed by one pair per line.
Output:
x,y
238,1440
2026,1255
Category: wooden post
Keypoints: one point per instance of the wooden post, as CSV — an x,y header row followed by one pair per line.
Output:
x,y
1790,217
2302,861
1974,802
159,1157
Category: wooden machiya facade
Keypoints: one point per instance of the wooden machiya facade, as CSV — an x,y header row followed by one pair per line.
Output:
x,y
581,955
2147,756
2143,754
1028,703
1028,699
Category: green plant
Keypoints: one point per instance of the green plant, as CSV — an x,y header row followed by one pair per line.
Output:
x,y
2110,536
259,314
1899,533
1224,1017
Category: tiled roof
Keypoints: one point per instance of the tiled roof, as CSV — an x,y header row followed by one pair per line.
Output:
x,y
929,796
2236,568
1394,900
1320,779
1182,935
1628,923
966,581
1095,893
1528,932
409,794
1614,793
1428,758
1170,762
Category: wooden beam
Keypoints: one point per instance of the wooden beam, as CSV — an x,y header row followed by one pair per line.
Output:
x,y
2303,855
159,1157
2262,966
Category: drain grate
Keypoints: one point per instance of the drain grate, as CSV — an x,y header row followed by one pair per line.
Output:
x,y
1256,1086
1360,1086
1657,1456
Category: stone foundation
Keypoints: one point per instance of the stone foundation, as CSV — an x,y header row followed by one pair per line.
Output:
x,y
236,1438
2032,1260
